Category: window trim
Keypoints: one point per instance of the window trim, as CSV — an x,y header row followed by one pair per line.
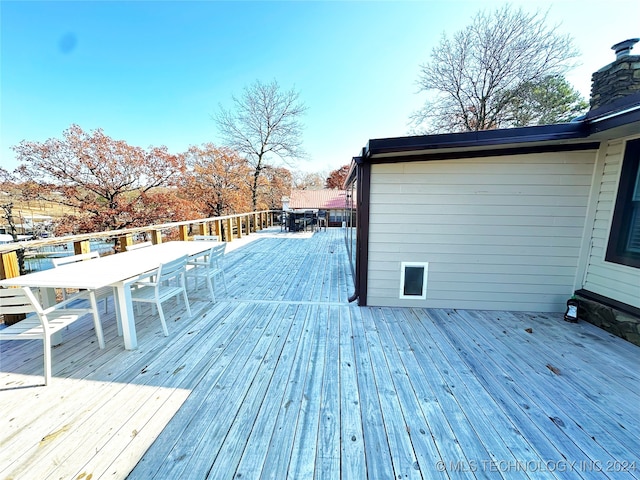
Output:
x,y
618,234
403,266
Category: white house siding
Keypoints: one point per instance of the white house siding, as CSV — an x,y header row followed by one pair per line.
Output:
x,y
615,281
499,233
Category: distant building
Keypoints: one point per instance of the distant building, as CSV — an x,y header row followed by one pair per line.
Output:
x,y
333,202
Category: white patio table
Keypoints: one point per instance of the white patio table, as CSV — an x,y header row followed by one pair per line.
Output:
x,y
117,271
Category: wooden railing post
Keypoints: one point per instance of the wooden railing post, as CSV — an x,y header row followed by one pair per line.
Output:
x,y
257,224
81,247
9,265
217,228
229,232
156,237
204,228
9,269
183,232
125,241
239,225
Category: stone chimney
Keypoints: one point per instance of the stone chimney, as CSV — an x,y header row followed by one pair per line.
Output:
x,y
618,79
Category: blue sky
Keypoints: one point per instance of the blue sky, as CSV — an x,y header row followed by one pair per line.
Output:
x,y
153,73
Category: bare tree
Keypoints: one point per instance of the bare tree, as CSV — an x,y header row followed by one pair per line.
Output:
x,y
476,75
264,125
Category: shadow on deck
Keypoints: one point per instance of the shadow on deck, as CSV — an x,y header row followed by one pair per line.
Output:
x,y
282,378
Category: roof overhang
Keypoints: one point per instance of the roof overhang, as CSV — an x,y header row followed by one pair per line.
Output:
x,y
616,120
480,140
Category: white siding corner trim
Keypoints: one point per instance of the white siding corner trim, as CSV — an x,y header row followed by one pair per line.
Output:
x,y
413,280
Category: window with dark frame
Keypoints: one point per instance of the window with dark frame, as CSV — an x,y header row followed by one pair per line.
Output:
x,y
624,240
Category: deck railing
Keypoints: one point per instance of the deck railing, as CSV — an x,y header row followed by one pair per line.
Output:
x,y
227,228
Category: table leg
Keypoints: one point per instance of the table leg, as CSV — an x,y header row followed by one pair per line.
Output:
x,y
116,306
125,309
96,318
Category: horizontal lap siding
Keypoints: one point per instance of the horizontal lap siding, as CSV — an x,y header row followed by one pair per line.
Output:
x,y
611,280
498,233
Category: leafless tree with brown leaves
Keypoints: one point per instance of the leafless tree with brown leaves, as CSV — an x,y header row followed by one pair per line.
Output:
x,y
337,177
109,182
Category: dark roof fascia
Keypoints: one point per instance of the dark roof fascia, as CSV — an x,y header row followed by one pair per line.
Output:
x,y
483,138
612,120
612,109
487,152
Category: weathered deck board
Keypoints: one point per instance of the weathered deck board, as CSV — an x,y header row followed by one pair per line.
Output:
x,y
279,447
453,433
404,462
425,447
304,448
561,389
352,455
377,454
327,461
198,445
530,389
281,378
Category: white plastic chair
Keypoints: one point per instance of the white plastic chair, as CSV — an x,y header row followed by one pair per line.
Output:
x,y
45,323
162,284
206,238
101,293
136,246
208,265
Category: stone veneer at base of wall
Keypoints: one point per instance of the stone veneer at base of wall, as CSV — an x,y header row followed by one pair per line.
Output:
x,y
613,321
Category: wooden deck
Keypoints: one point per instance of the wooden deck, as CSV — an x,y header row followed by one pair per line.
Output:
x,y
282,378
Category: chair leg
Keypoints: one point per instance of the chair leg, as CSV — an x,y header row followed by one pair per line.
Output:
x,y
211,289
184,295
224,282
164,324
